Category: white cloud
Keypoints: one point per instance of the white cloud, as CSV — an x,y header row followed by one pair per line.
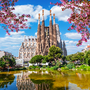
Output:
x,y
35,10
32,10
72,48
61,15
12,43
73,35
36,34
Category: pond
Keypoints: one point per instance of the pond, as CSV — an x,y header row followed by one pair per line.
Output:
x,y
44,80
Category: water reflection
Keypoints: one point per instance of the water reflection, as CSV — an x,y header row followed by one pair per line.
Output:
x,y
6,79
39,80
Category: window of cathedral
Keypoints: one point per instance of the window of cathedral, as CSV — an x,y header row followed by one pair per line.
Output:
x,y
34,44
28,55
29,49
32,49
32,54
27,44
24,55
25,49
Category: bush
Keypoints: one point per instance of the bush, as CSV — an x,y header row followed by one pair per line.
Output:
x,y
37,67
43,61
64,68
53,63
44,66
54,68
84,67
48,67
88,68
32,67
70,65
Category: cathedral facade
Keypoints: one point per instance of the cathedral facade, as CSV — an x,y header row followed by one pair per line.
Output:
x,y
28,48
46,37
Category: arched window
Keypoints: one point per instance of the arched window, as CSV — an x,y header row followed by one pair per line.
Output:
x,y
24,55
28,55
29,49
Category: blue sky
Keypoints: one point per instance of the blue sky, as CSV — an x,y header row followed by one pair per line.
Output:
x,y
13,42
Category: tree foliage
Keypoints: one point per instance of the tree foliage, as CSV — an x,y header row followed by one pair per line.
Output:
x,y
6,61
36,59
87,57
54,52
10,20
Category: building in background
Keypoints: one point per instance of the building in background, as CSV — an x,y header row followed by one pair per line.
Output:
x,y
28,48
4,53
86,48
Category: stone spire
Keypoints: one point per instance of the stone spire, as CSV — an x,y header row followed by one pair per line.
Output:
x,y
51,30
39,18
42,32
42,15
64,49
53,18
38,35
54,31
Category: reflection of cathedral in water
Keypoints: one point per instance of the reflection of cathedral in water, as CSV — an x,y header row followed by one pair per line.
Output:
x,y
24,83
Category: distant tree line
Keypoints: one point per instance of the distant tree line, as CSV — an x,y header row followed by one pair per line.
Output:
x,y
84,57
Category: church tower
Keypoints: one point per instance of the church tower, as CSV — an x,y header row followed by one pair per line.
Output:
x,y
64,49
47,36
54,32
42,34
51,30
38,35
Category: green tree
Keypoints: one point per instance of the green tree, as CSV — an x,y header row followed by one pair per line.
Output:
x,y
81,57
36,59
45,59
69,57
87,57
54,53
5,61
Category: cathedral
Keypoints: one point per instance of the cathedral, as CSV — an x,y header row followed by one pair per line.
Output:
x,y
46,37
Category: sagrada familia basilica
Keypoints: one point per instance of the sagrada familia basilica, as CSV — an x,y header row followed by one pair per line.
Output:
x,y
46,37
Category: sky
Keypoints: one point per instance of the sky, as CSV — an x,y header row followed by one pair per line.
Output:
x,y
13,42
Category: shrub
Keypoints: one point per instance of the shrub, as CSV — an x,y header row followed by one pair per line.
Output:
x,y
88,68
53,63
48,67
44,66
43,61
23,68
37,67
54,68
64,68
70,65
32,67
